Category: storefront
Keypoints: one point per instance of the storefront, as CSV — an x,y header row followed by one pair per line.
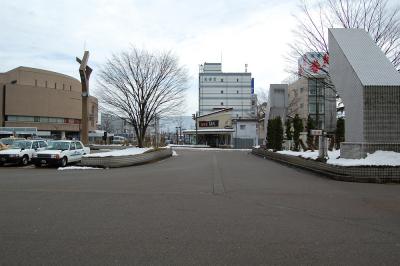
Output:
x,y
214,129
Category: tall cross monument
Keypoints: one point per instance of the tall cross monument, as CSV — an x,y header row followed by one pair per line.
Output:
x,y
85,71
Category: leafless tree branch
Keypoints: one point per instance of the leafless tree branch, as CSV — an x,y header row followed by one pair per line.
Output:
x,y
139,86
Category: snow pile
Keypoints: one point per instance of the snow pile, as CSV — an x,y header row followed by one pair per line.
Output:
x,y
383,158
174,153
77,168
116,153
387,158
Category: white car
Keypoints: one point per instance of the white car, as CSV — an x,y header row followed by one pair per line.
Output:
x,y
21,151
61,152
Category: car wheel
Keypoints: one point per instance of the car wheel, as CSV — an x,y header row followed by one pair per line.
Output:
x,y
64,162
1,163
24,160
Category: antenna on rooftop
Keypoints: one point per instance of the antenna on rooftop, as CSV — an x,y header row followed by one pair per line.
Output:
x,y
245,67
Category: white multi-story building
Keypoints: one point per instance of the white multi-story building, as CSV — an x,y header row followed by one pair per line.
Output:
x,y
219,90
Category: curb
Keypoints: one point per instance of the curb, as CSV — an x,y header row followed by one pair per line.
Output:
x,y
361,174
128,160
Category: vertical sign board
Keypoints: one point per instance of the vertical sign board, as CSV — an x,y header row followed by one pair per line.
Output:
x,y
252,86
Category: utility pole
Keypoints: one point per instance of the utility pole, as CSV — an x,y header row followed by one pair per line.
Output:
x,y
194,117
84,71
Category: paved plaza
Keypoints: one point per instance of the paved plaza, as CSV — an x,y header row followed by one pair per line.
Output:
x,y
200,207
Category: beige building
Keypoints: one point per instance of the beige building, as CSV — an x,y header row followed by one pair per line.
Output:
x,y
48,101
298,99
219,129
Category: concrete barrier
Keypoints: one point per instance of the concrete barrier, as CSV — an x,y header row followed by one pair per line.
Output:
x,y
128,160
366,174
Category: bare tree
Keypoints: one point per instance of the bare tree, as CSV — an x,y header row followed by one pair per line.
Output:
x,y
262,103
138,85
377,17
106,123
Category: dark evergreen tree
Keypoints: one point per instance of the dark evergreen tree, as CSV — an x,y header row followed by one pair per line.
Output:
x,y
278,134
270,135
275,134
310,126
298,128
288,125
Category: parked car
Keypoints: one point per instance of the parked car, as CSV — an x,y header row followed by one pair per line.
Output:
x,y
61,152
21,151
5,143
119,140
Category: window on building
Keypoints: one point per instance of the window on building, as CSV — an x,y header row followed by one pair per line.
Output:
x,y
55,85
242,127
63,86
44,119
11,118
45,84
237,92
35,82
215,79
301,90
37,119
302,105
237,80
222,80
222,103
222,92
70,87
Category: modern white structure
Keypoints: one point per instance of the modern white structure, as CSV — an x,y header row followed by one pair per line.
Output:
x,y
219,90
278,101
369,86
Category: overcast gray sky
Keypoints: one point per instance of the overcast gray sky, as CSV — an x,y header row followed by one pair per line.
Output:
x,y
49,34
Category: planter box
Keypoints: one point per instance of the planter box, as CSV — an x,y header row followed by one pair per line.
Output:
x,y
128,160
370,174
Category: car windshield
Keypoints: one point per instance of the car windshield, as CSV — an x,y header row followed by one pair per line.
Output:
x,y
21,144
8,141
58,145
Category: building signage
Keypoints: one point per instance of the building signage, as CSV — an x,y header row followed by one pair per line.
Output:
x,y
212,123
314,65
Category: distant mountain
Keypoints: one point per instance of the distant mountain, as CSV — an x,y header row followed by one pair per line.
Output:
x,y
169,124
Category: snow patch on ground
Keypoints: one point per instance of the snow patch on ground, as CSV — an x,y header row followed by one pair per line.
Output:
x,y
386,158
116,153
174,153
77,168
187,146
383,158
213,149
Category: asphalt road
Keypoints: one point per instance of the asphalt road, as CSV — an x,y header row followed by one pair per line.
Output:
x,y
201,207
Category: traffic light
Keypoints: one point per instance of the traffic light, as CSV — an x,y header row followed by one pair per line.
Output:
x,y
194,116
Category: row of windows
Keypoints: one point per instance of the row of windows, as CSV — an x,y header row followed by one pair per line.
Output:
x,y
214,79
46,84
41,119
